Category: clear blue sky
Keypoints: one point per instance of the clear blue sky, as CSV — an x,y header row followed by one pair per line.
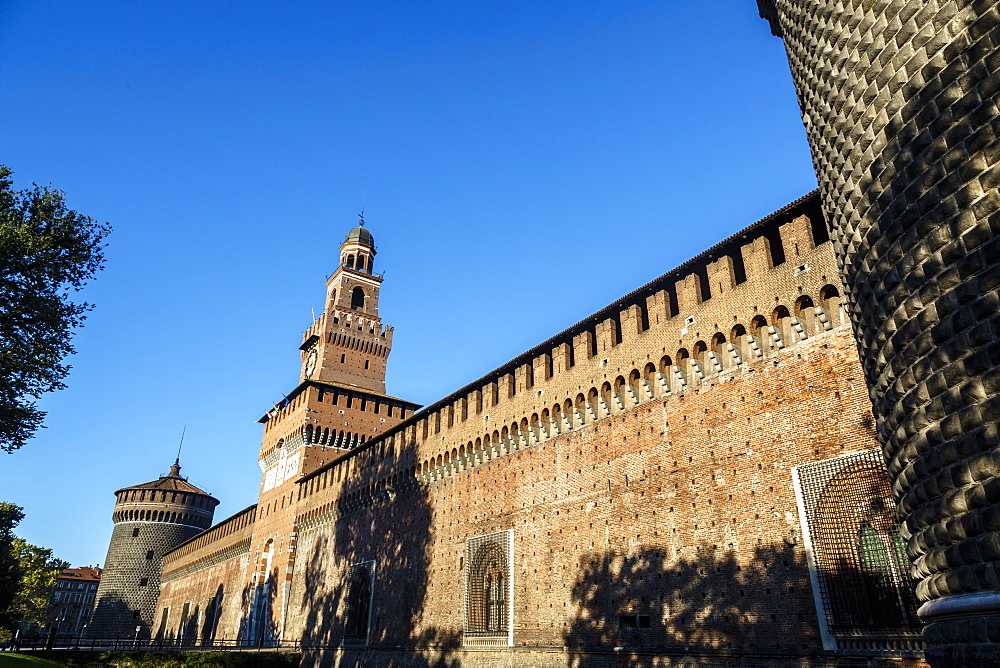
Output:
x,y
524,164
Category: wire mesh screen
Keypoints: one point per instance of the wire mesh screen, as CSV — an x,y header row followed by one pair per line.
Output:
x,y
862,569
360,584
488,588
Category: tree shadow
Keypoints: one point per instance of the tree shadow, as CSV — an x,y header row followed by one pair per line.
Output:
x,y
713,603
258,626
384,532
646,600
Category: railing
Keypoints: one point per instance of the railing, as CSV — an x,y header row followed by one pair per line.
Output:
x,y
157,644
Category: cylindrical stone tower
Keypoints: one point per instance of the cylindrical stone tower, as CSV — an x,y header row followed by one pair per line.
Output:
x,y
899,100
150,519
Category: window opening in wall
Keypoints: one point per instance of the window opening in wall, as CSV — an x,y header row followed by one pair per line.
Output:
x,y
529,374
149,554
858,555
548,365
143,582
135,532
164,617
359,603
366,364
571,354
592,338
357,299
488,590
343,358
633,621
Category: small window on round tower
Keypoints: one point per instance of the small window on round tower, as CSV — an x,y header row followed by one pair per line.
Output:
x,y
135,532
143,582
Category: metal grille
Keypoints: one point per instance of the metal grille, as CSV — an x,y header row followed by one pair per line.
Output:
x,y
488,589
360,585
859,557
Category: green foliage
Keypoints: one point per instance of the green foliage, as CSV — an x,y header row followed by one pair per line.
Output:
x,y
28,576
10,571
47,251
12,660
39,576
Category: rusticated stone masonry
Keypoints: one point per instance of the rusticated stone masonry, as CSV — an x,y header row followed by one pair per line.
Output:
x,y
150,519
899,100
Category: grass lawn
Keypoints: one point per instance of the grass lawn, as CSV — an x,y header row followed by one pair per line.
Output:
x,y
13,660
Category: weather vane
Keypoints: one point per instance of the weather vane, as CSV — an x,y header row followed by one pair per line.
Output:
x,y
361,216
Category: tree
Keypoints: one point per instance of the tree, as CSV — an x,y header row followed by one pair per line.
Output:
x,y
10,571
47,251
40,571
28,576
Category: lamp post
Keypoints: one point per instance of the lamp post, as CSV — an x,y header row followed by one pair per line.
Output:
x,y
136,641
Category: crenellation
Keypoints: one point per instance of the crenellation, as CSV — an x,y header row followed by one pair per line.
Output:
x,y
721,275
689,296
757,257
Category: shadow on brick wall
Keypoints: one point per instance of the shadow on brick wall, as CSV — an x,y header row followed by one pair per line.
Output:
x,y
647,601
392,537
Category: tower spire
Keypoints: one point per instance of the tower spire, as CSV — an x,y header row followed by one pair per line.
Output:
x,y
175,470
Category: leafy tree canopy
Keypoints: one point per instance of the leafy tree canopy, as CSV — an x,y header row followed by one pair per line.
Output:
x,y
28,576
10,571
40,571
47,252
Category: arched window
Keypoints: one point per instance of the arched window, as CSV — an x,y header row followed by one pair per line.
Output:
x,y
357,298
488,586
350,261
359,596
361,263
863,573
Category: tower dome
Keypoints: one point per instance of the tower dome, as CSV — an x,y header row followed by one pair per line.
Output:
x,y
359,235
150,519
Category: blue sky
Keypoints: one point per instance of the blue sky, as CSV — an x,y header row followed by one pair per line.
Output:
x,y
523,164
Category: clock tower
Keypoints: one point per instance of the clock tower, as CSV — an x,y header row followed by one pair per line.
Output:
x,y
348,343
338,404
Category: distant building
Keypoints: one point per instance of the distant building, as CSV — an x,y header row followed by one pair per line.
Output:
x,y
73,599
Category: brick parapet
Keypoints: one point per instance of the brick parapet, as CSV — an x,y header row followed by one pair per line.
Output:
x,y
523,414
227,537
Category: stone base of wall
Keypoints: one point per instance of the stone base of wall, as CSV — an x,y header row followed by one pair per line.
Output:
x,y
541,657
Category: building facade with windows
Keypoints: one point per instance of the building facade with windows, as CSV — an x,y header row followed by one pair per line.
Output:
x,y
73,600
690,470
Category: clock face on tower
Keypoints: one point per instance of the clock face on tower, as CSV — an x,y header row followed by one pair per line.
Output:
x,y
310,363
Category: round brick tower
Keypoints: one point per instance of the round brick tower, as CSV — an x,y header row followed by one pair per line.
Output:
x,y
899,100
150,519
